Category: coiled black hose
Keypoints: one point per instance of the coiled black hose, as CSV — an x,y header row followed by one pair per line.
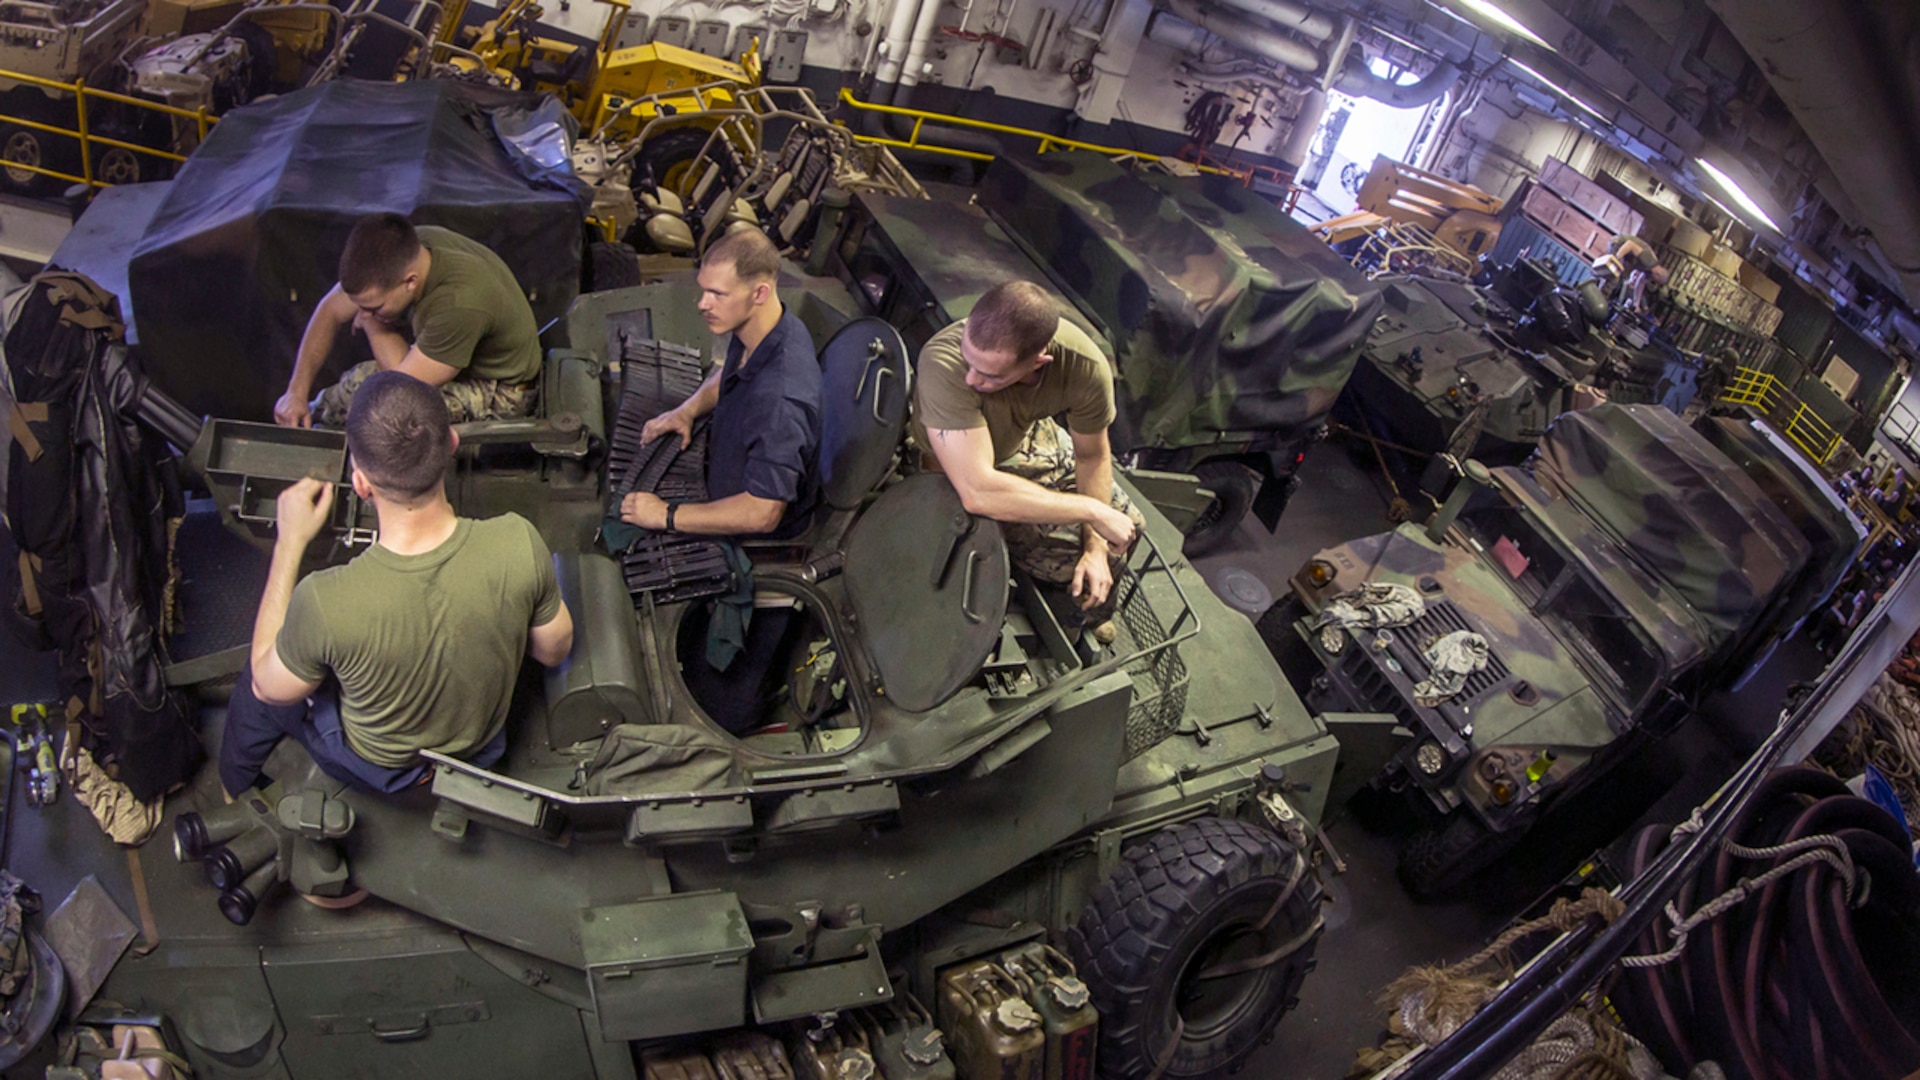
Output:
x,y
1795,982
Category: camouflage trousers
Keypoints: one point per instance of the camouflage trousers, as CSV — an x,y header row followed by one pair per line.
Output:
x,y
1050,552
467,399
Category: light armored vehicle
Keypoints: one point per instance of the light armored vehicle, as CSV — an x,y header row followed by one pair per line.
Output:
x,y
1232,329
1468,370
947,780
1629,568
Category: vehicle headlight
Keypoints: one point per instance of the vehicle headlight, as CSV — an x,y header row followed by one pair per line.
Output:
x,y
1320,573
1430,758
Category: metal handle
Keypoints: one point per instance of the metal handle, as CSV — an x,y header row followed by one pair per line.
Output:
x,y
416,1030
884,374
874,355
966,586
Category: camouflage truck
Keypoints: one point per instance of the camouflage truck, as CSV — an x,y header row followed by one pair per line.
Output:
x,y
1232,329
1479,371
1625,571
965,804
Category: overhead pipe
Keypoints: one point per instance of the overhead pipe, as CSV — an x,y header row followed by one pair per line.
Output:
x,y
1237,33
1313,106
1337,51
1357,81
893,49
1291,17
923,29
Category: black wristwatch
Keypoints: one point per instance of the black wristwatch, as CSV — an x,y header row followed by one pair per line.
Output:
x,y
671,507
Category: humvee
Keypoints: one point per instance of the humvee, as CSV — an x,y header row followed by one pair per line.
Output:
x,y
1231,328
1629,568
950,780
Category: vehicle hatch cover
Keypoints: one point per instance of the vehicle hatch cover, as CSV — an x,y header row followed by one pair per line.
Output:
x,y
929,585
863,408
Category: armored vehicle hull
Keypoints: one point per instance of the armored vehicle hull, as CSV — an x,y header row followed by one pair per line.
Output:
x,y
978,779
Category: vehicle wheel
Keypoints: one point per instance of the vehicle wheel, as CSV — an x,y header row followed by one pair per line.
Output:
x,y
1232,487
27,146
611,266
119,165
1290,651
1196,946
1436,860
669,158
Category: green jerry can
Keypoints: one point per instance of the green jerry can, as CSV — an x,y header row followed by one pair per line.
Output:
x,y
832,1052
906,1044
751,1055
679,1063
996,1034
1072,1025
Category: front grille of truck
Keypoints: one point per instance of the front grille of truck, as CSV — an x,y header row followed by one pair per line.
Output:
x,y
1373,687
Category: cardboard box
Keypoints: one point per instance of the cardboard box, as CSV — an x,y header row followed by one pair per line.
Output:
x,y
1755,281
1724,261
168,17
1690,238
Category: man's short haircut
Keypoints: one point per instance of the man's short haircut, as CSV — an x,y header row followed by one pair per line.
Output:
x,y
377,254
753,256
1014,316
400,434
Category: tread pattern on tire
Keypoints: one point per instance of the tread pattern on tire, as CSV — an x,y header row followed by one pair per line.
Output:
x,y
1148,907
1436,859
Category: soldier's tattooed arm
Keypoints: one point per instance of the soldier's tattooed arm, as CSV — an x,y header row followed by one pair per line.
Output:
x,y
966,456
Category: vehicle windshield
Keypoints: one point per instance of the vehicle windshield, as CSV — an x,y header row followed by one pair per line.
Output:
x,y
1609,646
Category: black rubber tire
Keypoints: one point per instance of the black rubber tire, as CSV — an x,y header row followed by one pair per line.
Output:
x,y
665,156
119,165
33,147
1295,657
1185,900
611,266
1437,859
1232,487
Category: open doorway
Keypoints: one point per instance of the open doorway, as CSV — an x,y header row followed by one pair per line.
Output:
x,y
1354,131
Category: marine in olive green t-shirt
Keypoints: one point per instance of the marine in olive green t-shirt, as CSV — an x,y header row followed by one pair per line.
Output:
x,y
426,647
1078,383
471,313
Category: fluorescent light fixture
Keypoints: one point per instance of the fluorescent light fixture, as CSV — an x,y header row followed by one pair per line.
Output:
x,y
1506,22
1562,91
1739,196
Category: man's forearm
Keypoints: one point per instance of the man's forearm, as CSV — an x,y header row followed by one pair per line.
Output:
x,y
389,349
702,401
735,515
316,344
1093,477
1005,497
282,571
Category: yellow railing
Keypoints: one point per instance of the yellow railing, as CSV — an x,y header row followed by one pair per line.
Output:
x,y
1047,142
82,94
1794,418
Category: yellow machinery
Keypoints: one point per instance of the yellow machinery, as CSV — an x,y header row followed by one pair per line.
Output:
x,y
600,87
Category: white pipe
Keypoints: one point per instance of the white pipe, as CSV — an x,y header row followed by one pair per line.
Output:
x,y
899,34
1289,16
922,37
1244,36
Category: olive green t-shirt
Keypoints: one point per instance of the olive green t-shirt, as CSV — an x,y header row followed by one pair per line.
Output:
x,y
1078,383
426,647
471,313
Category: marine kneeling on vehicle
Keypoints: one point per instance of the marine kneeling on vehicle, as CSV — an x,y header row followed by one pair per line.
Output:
x,y
987,390
415,644
473,333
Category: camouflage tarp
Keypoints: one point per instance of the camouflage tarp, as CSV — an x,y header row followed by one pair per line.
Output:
x,y
1226,316
1686,512
1830,529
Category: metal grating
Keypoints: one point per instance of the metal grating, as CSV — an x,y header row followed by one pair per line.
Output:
x,y
1160,680
1441,619
1376,689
